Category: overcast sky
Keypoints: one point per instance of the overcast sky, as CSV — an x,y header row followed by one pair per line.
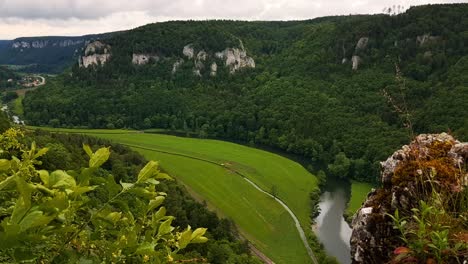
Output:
x,y
20,18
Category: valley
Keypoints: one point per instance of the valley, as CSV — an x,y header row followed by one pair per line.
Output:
x,y
214,170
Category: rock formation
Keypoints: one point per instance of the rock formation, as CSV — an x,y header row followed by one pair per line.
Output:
x,y
43,43
142,59
362,43
176,65
188,51
356,60
439,155
426,38
214,69
235,59
96,53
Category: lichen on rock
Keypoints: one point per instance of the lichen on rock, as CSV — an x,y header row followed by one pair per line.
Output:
x,y
431,163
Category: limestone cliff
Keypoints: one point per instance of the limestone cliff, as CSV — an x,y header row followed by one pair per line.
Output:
x,y
43,43
433,168
96,53
233,58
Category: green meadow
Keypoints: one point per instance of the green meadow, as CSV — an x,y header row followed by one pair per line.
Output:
x,y
208,168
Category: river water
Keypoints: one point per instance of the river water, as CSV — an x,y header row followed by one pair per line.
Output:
x,y
332,230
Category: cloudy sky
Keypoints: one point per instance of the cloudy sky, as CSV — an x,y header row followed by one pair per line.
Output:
x,y
78,17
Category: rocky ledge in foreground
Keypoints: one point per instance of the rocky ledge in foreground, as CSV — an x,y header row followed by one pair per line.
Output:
x,y
420,215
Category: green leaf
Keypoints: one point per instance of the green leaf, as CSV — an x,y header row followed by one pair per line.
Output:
x,y
165,227
88,150
185,238
163,176
33,219
199,240
146,248
152,181
99,157
155,203
5,164
199,232
23,203
148,171
60,179
40,153
159,214
44,175
126,186
79,190
113,217
7,181
142,192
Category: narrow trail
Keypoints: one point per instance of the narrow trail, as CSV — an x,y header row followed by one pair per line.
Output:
x,y
294,217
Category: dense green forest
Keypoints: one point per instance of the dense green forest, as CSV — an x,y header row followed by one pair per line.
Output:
x,y
8,78
302,97
65,151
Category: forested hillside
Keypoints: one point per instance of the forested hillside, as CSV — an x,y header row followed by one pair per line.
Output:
x,y
8,78
44,54
341,91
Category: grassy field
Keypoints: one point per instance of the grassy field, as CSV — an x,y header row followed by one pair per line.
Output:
x,y
359,191
261,219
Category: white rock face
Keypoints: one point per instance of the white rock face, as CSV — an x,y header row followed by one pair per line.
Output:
x,y
426,38
202,55
362,43
214,69
96,53
21,44
177,65
235,59
356,60
96,46
142,59
39,44
188,51
95,59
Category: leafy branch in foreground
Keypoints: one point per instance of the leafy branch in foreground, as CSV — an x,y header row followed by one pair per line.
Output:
x,y
83,216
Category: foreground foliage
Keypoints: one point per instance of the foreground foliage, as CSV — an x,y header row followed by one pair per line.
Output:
x,y
83,216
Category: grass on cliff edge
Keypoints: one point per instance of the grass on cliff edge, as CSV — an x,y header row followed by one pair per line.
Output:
x,y
261,219
359,191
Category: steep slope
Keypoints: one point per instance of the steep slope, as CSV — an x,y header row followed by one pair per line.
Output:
x,y
341,91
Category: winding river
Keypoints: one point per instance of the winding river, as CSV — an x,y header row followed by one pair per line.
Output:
x,y
331,228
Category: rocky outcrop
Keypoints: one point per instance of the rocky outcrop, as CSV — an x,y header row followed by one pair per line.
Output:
x,y
189,51
214,69
235,59
142,59
176,65
362,43
425,39
40,44
356,60
96,53
438,156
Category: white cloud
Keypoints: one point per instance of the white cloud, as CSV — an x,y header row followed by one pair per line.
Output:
x,y
78,17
